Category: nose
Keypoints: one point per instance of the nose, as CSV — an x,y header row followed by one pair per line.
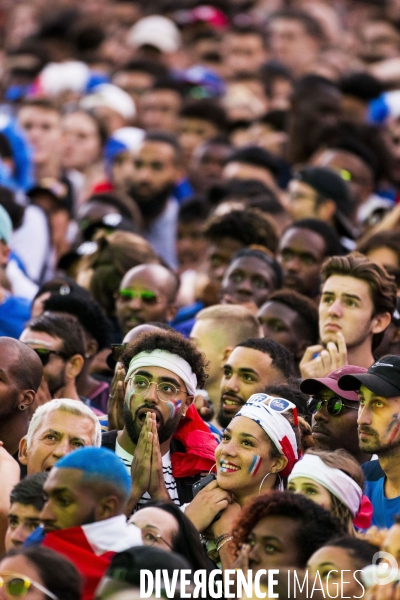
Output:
x,y
19,535
62,448
321,414
151,393
47,515
293,264
336,308
364,416
254,554
232,383
135,303
245,286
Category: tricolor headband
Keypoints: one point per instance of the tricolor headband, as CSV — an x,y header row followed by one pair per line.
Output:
x,y
161,358
334,480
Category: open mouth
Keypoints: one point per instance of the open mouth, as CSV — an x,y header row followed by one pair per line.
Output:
x,y
142,412
231,403
227,467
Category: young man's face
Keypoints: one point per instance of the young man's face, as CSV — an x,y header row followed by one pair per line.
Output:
x,y
244,54
22,520
346,306
43,130
378,422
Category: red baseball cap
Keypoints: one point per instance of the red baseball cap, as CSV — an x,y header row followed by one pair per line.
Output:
x,y
313,386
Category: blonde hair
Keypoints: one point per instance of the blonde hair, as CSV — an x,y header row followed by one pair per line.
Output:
x,y
235,322
72,407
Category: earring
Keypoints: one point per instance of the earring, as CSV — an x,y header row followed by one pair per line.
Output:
x,y
22,407
214,465
261,484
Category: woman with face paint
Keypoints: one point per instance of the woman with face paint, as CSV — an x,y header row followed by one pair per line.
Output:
x,y
335,481
258,449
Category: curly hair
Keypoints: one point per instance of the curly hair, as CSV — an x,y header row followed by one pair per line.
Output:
x,y
248,226
303,306
170,341
315,525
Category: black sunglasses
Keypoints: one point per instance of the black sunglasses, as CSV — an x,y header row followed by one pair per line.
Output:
x,y
44,354
334,405
117,351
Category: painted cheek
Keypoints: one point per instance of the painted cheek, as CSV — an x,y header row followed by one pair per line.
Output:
x,y
128,400
393,427
172,409
255,465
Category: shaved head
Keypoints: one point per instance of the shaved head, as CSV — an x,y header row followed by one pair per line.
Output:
x,y
28,370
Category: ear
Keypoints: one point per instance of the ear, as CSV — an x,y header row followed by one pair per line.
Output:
x,y
107,507
186,403
91,348
28,397
225,354
172,309
380,322
23,451
74,366
279,464
326,210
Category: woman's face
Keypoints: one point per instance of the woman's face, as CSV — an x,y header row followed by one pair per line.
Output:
x,y
313,490
19,565
244,458
333,560
80,141
155,522
273,543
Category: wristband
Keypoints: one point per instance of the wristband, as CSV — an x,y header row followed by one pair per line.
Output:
x,y
221,537
228,539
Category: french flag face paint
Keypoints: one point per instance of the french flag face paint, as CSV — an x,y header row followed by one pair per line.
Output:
x,y
177,406
255,465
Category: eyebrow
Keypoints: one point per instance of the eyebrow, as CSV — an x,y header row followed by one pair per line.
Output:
x,y
159,379
345,295
55,432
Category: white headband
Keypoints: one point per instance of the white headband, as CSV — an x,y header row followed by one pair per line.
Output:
x,y
161,358
334,480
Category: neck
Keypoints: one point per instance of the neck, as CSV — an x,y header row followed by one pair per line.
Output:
x,y
13,429
50,168
68,391
249,494
361,356
390,463
214,391
126,443
85,384
361,457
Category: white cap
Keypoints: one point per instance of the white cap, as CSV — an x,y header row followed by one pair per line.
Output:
x,y
157,31
131,137
56,78
107,94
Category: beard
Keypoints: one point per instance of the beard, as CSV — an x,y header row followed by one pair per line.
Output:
x,y
56,381
165,430
152,204
223,419
374,445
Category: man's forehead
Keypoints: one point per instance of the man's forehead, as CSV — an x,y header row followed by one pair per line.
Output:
x,y
63,422
244,358
60,477
346,284
157,373
40,338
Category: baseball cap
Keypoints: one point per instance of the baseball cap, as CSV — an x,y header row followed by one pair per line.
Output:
x,y
111,96
313,386
383,378
326,182
157,31
125,566
5,225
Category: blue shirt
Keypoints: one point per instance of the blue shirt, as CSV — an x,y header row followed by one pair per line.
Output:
x,y
385,509
14,314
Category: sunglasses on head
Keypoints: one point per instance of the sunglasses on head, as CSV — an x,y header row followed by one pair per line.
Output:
x,y
117,351
282,405
17,586
334,405
145,296
44,354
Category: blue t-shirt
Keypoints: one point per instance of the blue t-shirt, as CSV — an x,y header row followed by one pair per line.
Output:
x,y
385,509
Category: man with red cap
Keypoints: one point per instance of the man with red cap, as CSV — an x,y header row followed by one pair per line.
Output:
x,y
334,422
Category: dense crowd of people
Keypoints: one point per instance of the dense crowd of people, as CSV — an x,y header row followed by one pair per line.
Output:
x,y
199,296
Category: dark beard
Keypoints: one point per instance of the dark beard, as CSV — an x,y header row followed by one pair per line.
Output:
x,y
223,419
165,430
56,382
151,205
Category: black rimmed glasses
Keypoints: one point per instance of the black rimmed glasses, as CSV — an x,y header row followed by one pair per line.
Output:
x,y
166,391
44,354
334,405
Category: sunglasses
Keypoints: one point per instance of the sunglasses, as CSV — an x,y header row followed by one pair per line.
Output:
x,y
282,405
44,354
334,405
146,296
17,586
117,351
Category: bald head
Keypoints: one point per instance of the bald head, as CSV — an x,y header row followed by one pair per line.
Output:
x,y
20,355
147,293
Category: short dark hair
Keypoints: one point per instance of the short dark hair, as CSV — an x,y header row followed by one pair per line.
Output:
x,y
387,239
143,65
29,491
43,103
255,156
194,209
316,526
88,312
65,328
271,262
248,226
361,85
206,110
165,137
311,25
170,341
333,246
362,551
303,306
282,359
58,573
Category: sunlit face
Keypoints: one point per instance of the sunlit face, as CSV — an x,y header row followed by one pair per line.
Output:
x,y
244,458
346,305
330,560
378,422
313,490
159,528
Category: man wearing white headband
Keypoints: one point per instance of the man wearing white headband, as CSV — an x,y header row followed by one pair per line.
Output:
x,y
164,444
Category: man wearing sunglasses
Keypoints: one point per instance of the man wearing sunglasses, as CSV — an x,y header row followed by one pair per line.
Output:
x,y
147,293
334,412
164,444
379,433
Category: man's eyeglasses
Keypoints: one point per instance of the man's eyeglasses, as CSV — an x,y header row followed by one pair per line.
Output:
x,y
44,354
145,296
334,405
165,391
17,586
